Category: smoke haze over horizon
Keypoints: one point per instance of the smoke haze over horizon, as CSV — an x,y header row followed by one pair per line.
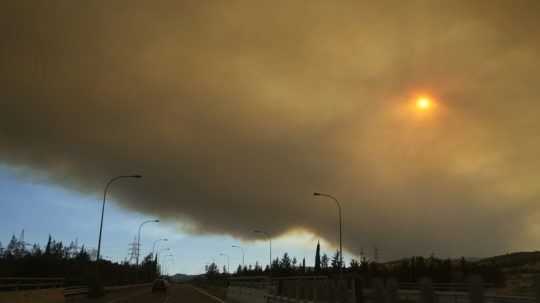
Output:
x,y
236,112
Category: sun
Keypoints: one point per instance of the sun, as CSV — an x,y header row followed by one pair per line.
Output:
x,y
423,103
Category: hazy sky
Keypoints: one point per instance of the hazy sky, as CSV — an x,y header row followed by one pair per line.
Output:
x,y
42,210
235,112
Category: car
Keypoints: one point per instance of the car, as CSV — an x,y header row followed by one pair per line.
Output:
x,y
160,285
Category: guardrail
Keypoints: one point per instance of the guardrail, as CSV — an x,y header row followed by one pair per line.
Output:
x,y
15,284
21,284
442,286
75,290
83,290
322,289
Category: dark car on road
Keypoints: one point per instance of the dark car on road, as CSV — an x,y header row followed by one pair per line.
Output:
x,y
160,285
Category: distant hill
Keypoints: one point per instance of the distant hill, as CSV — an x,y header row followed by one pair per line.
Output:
x,y
454,260
507,261
183,277
517,259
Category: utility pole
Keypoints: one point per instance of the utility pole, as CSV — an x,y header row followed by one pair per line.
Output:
x,y
133,250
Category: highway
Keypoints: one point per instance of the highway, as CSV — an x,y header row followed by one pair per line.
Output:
x,y
177,293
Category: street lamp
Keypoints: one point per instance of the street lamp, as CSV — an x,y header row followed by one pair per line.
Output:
x,y
270,240
154,245
139,237
158,256
165,261
103,208
228,263
243,253
340,224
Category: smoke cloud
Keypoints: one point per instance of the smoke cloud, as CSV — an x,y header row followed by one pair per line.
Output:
x,y
236,112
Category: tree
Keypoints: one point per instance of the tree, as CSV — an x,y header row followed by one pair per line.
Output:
x,y
83,256
318,257
1,250
49,246
258,268
15,248
275,264
212,270
336,263
355,265
56,263
36,250
324,261
285,263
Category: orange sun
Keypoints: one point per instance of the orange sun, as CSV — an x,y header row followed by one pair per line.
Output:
x,y
423,103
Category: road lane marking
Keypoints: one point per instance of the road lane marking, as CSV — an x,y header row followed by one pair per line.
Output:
x,y
207,294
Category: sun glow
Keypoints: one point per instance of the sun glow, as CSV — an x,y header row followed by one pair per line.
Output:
x,y
423,103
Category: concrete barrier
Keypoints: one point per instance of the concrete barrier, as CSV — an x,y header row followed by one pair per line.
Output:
x,y
53,295
245,295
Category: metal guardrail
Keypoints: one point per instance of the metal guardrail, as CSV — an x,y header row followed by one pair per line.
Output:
x,y
415,296
15,284
83,290
20,284
442,286
75,291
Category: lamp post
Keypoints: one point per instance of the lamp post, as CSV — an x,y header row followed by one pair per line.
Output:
x,y
159,253
340,226
166,270
103,208
243,253
270,240
154,245
228,263
139,237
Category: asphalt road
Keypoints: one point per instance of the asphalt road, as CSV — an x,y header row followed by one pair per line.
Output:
x,y
177,293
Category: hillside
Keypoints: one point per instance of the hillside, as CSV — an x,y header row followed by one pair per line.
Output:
x,y
523,260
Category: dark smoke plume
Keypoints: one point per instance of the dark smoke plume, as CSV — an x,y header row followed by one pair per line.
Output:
x,y
235,112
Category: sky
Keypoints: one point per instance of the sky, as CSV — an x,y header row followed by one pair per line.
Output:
x,y
236,112
42,210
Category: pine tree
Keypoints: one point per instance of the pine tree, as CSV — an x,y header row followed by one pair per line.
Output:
x,y
275,264
36,250
355,265
49,246
324,261
83,255
336,264
258,267
285,263
212,270
318,257
12,247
